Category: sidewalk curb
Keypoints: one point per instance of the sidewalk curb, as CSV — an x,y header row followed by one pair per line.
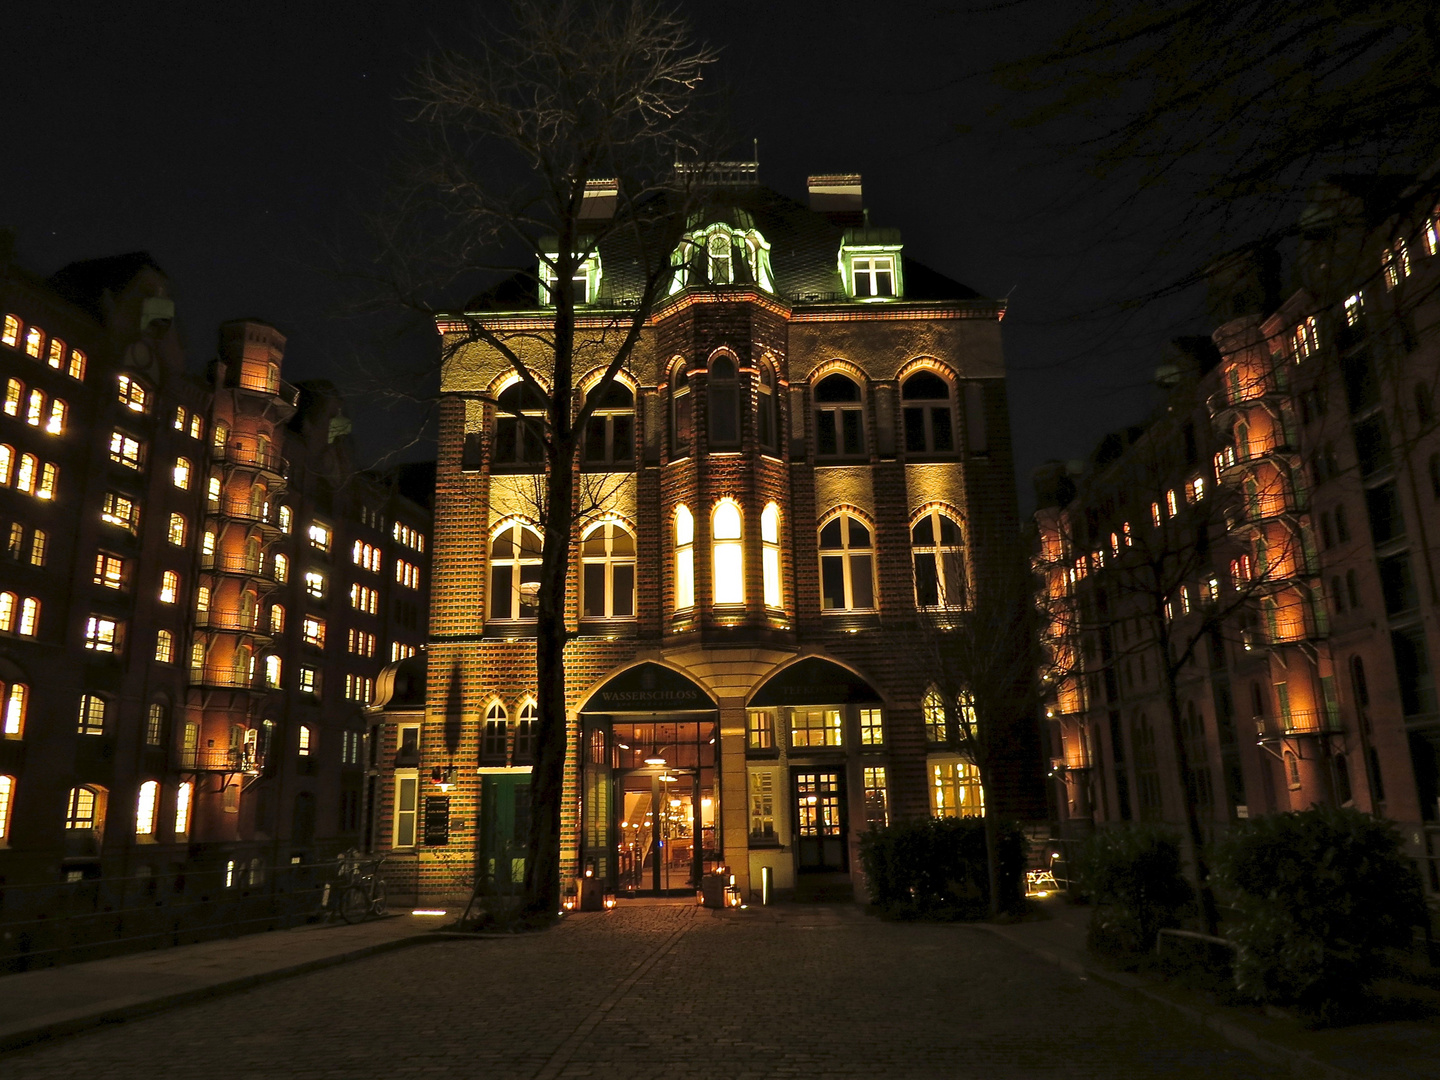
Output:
x,y
1298,1063
64,1024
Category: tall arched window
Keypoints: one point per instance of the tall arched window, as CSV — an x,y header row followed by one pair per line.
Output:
x,y
681,417
770,554
726,527
7,463
29,624
607,556
85,809
684,559
7,796
525,731
219,436
495,741
13,697
11,333
164,647
515,573
847,565
34,342
939,552
182,809
839,417
145,804
929,419
767,409
610,434
723,416
519,428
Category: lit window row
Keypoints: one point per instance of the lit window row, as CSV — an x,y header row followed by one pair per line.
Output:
x,y
359,688
16,548
189,422
28,473
407,574
350,747
363,598
360,643
366,556
19,615
411,538
48,414
400,652
86,807
13,333
822,726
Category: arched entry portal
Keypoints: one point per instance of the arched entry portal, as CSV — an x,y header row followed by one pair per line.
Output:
x,y
649,804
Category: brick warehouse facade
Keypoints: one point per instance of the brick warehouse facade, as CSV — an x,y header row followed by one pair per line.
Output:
x,y
810,445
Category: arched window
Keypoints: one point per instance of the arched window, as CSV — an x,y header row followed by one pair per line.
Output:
x,y
34,342
13,699
767,409
719,258
610,434
277,618
169,587
1292,771
281,566
681,420
933,707
729,553
145,804
14,393
607,556
85,808
10,335
525,731
839,417
35,408
182,808
929,420
272,671
29,624
684,559
939,552
285,519
519,426
55,355
847,565
7,463
8,604
155,724
724,403
514,573
7,797
76,370
164,647
219,436
495,740
55,425
770,554
181,474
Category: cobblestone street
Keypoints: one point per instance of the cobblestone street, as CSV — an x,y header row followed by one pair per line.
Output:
x,y
667,990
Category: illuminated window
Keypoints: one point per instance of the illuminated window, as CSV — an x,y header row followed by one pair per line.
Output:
x,y
83,809
362,644
1155,514
125,450
729,555
955,790
1306,339
169,587
10,334
9,604
1396,263
400,651
180,416
202,598
16,541
519,426
212,493
684,559
219,437
109,570
35,408
873,276
304,740
181,474
607,556
182,808
938,547
164,647
55,355
719,252
55,425
368,556
7,793
319,536
610,433
145,808
277,618
359,688
815,727
29,622
877,803
364,598
762,804
314,631
155,724
315,583
49,474
839,417
761,729
282,569
13,698
681,415
134,396
515,573
1172,504
1195,490
406,573
91,720
25,475
177,530
723,403
76,370
847,565
770,554
308,680
407,793
872,728
1354,308
933,709
7,463
197,426
929,421
34,342
14,392
767,409
273,671
102,634
285,519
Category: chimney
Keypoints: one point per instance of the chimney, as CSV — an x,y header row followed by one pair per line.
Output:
x,y
600,199
838,196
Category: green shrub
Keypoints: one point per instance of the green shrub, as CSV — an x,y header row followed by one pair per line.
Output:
x,y
935,868
1133,875
1320,894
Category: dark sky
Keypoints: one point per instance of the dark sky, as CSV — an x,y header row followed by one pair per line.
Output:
x,y
235,141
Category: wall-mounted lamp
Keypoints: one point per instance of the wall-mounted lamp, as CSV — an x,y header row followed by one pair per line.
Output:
x,y
443,777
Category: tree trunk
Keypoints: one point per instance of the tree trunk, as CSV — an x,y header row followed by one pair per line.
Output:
x,y
992,845
1209,914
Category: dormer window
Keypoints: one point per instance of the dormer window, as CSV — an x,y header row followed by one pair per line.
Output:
x,y
722,253
584,283
870,263
722,271
874,276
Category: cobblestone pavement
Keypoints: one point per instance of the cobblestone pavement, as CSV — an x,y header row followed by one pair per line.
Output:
x,y
664,991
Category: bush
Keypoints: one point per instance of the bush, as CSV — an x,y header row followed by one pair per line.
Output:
x,y
1320,894
1133,875
935,868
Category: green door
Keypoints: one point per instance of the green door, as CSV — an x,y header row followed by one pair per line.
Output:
x,y
504,833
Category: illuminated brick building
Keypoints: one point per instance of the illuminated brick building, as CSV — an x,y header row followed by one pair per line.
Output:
x,y
1309,426
196,593
811,439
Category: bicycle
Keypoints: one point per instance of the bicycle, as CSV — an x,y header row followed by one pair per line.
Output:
x,y
358,890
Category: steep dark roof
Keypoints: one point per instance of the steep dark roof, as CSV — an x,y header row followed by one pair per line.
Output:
x,y
84,283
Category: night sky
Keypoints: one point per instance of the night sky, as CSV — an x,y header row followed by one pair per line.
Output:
x,y
237,142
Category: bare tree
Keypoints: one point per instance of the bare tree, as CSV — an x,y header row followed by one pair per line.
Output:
x,y
564,103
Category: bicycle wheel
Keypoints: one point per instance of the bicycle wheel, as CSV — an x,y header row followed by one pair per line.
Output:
x,y
353,904
377,898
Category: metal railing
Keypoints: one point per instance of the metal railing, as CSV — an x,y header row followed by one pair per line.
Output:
x,y
222,759
240,454
226,679
238,564
239,511
66,922
1298,722
1255,448
217,619
275,387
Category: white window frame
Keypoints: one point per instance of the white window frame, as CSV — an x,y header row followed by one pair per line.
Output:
x,y
405,822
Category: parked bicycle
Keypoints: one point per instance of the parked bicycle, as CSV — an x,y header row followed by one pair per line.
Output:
x,y
357,891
